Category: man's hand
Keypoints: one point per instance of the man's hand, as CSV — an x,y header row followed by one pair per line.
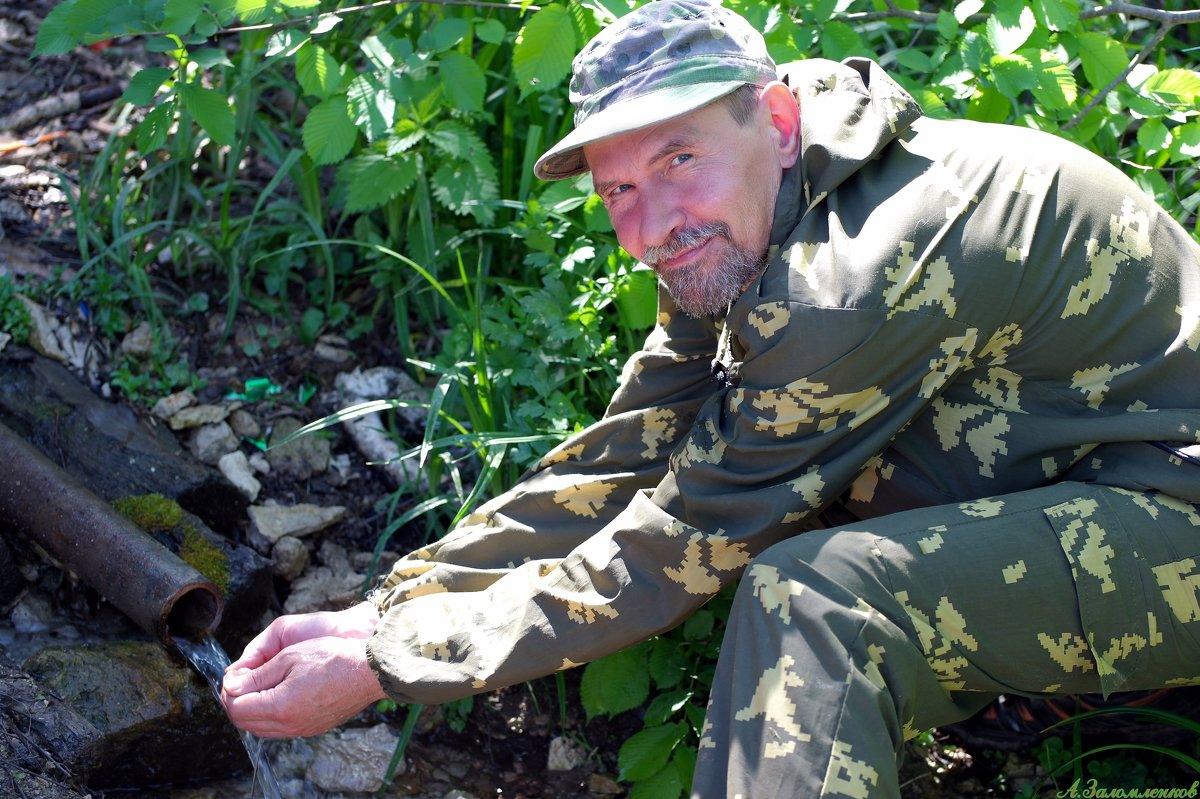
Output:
x,y
303,674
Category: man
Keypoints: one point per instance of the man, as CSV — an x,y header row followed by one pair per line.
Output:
x,y
975,347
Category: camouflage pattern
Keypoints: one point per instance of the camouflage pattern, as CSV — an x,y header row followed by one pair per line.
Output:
x,y
978,324
661,61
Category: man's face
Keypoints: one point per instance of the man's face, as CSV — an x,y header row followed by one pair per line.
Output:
x,y
693,198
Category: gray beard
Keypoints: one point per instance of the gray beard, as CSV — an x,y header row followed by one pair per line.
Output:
x,y
699,292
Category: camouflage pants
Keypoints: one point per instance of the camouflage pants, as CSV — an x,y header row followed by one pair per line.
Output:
x,y
843,643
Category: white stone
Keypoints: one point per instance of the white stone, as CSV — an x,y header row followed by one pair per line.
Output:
x,y
4,339
273,522
210,442
139,342
260,464
289,558
331,354
565,754
331,586
384,382
197,415
172,404
42,336
353,760
236,468
32,614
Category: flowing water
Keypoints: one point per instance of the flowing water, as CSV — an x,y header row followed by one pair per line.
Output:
x,y
210,660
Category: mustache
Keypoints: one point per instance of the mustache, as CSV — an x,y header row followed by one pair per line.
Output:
x,y
682,240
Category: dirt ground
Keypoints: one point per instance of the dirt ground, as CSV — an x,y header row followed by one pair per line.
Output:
x,y
502,745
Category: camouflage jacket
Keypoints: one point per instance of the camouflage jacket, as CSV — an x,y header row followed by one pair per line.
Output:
x,y
951,311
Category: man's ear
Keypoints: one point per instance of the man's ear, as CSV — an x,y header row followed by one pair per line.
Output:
x,y
783,113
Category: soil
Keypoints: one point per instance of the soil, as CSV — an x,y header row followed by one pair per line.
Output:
x,y
499,745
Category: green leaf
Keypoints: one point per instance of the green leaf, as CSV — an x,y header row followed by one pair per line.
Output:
x,y
151,132
448,32
1174,87
325,23
300,5
1103,58
463,81
1185,143
372,106
145,84
58,33
209,57
491,31
210,108
285,42
666,784
645,753
251,11
667,662
665,705
1012,74
1057,15
988,105
1055,88
967,8
914,60
310,324
372,180
544,49
947,25
468,187
318,72
180,15
1009,34
685,762
329,133
615,683
839,40
1153,136
699,626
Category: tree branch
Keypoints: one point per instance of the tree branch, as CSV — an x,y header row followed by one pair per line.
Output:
x,y
1169,18
1154,42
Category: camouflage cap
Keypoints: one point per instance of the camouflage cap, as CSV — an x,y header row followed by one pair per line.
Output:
x,y
661,61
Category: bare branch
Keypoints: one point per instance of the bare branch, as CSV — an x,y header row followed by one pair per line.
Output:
x,y
1154,42
1169,18
341,12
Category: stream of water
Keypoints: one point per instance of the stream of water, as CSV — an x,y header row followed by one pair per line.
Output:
x,y
210,660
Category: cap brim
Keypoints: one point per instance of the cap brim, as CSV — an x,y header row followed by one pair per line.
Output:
x,y
565,159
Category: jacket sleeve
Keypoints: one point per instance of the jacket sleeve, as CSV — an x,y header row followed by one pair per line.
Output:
x,y
821,393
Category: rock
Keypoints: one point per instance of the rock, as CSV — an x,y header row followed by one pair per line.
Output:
x,y
565,754
384,382
4,339
236,469
455,793
139,342
272,522
197,416
148,708
42,336
353,760
210,442
172,404
33,614
301,458
331,354
42,740
600,785
244,424
260,464
332,586
289,558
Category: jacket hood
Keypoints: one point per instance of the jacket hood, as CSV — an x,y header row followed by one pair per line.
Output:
x,y
848,112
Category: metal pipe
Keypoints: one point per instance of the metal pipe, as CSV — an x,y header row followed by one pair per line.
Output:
x,y
163,595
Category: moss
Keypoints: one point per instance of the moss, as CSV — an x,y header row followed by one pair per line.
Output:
x,y
205,557
154,513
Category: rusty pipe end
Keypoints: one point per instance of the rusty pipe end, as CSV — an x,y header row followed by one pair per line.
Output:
x,y
193,611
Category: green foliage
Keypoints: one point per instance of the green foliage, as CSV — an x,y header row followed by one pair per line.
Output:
x,y
14,316
154,513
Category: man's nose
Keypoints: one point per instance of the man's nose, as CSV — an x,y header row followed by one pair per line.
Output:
x,y
662,217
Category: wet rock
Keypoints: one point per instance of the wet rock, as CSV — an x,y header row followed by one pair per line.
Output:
x,y
353,760
236,468
244,424
565,754
158,720
32,614
139,342
272,522
197,416
384,382
210,442
300,459
334,585
172,404
43,742
289,558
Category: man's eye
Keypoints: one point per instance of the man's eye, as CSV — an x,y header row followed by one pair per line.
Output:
x,y
679,159
620,189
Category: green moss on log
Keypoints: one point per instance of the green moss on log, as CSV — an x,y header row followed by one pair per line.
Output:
x,y
154,513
